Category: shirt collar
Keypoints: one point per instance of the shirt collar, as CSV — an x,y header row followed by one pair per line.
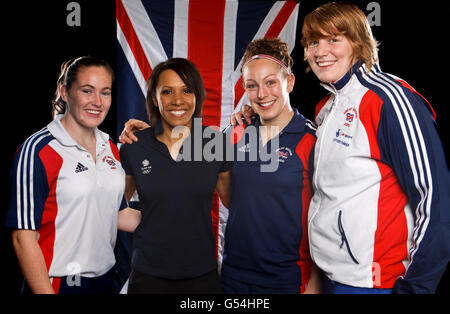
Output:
x,y
295,125
342,82
61,135
158,128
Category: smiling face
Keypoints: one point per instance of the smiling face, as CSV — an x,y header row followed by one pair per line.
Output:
x,y
268,87
330,57
176,102
89,97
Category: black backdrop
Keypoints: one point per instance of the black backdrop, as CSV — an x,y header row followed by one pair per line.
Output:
x,y
37,39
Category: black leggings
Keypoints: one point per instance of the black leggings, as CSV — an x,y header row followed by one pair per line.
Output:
x,y
208,283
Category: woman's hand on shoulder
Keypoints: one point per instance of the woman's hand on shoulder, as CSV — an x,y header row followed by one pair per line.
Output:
x,y
131,126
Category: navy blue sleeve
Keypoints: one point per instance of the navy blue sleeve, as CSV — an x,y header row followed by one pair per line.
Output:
x,y
410,144
123,203
29,185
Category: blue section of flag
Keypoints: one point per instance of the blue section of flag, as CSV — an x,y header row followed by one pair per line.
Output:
x,y
250,16
130,99
162,14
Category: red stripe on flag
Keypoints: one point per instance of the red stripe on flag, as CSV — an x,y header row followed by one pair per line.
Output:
x,y
215,219
281,19
238,91
205,49
132,39
274,31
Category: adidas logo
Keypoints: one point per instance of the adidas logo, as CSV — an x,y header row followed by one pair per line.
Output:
x,y
80,167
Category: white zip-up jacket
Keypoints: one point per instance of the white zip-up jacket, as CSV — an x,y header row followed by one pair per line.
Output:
x,y
379,217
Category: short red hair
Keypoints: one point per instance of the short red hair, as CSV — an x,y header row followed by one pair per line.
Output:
x,y
342,18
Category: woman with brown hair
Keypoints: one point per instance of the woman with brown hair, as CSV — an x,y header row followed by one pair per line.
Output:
x,y
379,218
173,243
67,186
266,238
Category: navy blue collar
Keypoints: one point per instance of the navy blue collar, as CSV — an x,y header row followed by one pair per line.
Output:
x,y
346,78
158,128
296,125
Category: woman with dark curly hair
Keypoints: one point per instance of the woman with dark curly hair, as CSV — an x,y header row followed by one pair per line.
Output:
x,y
266,238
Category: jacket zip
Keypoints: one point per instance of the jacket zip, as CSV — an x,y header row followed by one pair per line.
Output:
x,y
325,126
316,171
344,238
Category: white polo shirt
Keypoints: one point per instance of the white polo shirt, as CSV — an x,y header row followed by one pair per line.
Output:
x,y
58,189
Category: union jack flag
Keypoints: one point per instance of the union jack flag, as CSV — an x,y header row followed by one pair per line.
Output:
x,y
211,33
349,117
